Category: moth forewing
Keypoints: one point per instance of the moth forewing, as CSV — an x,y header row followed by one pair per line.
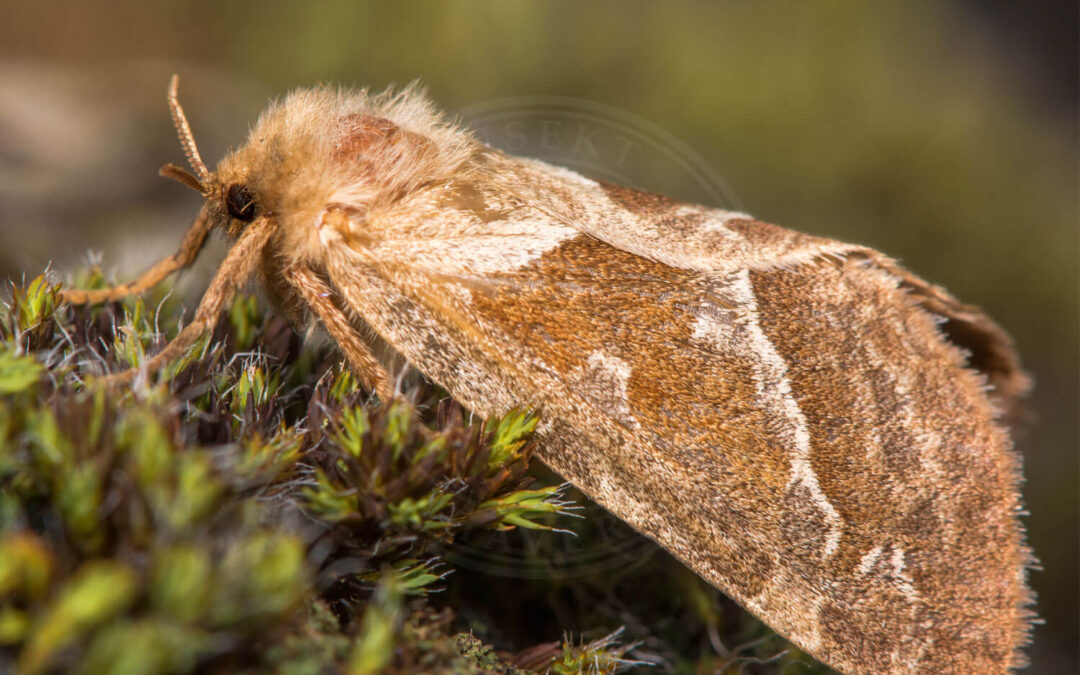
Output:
x,y
809,457
802,422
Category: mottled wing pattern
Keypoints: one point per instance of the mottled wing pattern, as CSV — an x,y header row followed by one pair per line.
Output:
x,y
800,433
695,237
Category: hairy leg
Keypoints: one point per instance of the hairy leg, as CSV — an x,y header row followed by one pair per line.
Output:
x,y
235,270
319,297
189,250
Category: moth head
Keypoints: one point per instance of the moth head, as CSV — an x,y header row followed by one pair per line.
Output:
x,y
319,153
231,200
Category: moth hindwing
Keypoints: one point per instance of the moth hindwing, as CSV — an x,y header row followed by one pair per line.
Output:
x,y
808,426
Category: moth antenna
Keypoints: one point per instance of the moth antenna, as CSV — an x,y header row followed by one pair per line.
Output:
x,y
183,129
184,176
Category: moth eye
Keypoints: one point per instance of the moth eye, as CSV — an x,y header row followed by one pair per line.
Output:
x,y
240,202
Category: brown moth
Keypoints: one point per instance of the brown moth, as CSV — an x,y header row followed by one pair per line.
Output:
x,y
808,426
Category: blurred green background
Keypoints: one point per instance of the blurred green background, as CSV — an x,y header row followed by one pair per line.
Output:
x,y
943,133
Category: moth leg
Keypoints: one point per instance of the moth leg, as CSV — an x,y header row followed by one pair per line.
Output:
x,y
235,270
189,250
319,297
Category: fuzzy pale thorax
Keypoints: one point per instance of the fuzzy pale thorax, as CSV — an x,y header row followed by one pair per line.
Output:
x,y
808,426
317,150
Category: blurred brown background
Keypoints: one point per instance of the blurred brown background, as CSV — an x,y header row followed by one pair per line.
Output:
x,y
944,133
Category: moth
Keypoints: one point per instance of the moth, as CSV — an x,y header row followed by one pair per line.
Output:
x,y
808,426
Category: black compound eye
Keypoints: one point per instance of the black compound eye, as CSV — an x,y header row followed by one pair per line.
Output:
x,y
240,202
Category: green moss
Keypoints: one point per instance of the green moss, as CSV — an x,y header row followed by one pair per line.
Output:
x,y
239,512
18,373
97,592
